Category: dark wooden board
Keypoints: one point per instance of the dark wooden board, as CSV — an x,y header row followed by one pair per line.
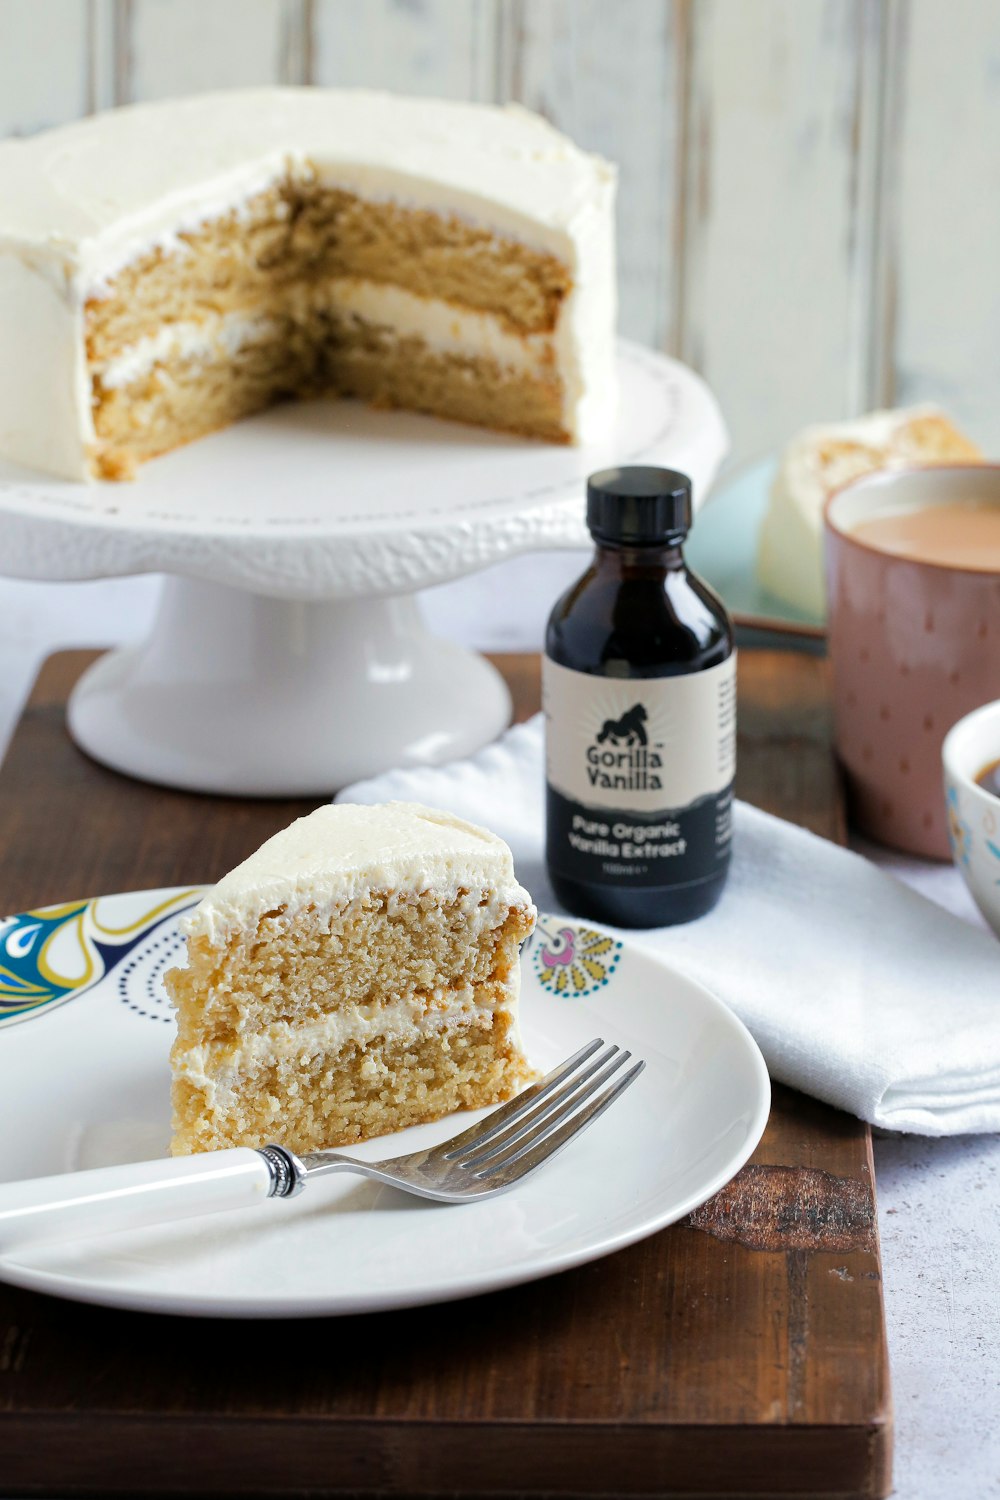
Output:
x,y
741,1353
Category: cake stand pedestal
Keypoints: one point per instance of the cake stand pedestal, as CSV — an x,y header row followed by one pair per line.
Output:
x,y
234,691
288,656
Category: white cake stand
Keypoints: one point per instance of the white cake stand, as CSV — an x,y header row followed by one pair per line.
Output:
x,y
288,656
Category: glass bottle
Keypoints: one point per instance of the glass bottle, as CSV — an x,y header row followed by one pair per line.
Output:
x,y
639,692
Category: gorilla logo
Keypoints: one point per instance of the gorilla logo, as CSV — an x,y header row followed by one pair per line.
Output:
x,y
630,729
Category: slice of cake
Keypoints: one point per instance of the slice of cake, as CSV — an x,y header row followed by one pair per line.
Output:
x,y
356,975
821,460
167,268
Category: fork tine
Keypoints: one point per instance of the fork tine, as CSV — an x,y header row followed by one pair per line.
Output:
x,y
529,1157
557,1105
525,1140
486,1129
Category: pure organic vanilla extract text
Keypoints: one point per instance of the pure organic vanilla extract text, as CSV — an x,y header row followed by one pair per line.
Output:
x,y
639,692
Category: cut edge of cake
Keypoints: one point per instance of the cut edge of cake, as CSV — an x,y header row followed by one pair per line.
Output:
x,y
449,258
357,975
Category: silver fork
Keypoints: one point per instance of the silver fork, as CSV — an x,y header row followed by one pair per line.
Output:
x,y
487,1159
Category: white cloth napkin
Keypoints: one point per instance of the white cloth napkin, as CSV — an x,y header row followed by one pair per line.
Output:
x,y
857,989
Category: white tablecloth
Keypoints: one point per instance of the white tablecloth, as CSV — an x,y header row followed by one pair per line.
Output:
x,y
939,1201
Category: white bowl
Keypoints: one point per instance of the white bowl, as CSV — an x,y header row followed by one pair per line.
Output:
x,y
974,814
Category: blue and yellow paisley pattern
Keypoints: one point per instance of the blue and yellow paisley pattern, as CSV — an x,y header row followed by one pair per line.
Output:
x,y
53,954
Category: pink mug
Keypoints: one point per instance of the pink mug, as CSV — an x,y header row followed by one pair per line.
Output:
x,y
914,646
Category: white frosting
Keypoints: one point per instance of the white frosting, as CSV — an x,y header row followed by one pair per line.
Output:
x,y
45,416
219,1067
442,325
790,558
341,852
187,341
79,202
97,191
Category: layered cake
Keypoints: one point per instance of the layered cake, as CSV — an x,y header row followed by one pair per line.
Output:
x,y
820,460
168,268
356,975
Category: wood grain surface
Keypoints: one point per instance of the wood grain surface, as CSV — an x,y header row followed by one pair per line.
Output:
x,y
741,1353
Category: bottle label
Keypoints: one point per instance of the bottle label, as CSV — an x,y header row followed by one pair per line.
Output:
x,y
640,774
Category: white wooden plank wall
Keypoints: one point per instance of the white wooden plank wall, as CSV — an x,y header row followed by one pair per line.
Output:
x,y
433,47
42,84
610,76
770,210
810,189
945,250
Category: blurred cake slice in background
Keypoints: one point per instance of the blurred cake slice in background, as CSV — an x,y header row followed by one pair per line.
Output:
x,y
820,460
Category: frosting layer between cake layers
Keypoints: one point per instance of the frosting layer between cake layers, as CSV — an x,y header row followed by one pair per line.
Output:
x,y
212,1066
79,205
439,324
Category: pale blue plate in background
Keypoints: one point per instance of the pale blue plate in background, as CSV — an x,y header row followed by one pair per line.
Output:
x,y
723,550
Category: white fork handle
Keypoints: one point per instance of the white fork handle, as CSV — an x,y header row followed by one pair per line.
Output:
x,y
77,1204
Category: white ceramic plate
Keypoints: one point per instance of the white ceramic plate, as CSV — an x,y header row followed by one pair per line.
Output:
x,y
84,1034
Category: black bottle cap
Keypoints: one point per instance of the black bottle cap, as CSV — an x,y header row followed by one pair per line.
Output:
x,y
638,506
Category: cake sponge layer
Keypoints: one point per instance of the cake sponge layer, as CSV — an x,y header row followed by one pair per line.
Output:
x,y
378,949
317,1096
